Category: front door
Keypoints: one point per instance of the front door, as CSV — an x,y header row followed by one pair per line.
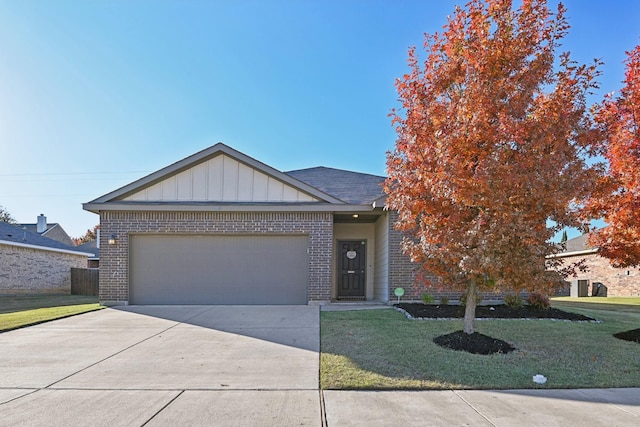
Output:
x,y
351,269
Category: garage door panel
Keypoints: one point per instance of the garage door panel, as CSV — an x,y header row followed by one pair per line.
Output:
x,y
220,269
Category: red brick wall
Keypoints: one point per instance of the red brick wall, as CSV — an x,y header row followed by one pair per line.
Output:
x,y
114,259
401,269
620,282
401,274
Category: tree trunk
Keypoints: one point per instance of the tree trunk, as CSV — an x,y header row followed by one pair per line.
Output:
x,y
470,309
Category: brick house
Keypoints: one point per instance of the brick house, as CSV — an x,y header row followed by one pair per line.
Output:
x,y
220,227
31,263
619,282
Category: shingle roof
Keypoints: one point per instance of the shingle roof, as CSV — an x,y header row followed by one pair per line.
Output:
x,y
33,227
351,187
91,247
15,234
578,244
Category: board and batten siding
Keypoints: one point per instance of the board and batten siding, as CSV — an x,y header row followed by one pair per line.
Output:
x,y
221,179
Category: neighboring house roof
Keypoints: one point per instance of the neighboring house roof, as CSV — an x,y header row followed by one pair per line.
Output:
x,y
579,243
92,247
52,230
17,236
229,180
351,187
577,246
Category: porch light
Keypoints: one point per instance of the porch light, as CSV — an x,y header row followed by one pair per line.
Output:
x,y
355,215
112,239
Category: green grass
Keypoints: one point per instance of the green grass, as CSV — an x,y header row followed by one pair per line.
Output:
x,y
633,301
382,349
20,311
616,304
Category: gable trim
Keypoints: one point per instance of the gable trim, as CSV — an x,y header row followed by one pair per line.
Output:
x,y
200,157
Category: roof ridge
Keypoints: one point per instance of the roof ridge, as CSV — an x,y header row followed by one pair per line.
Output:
x,y
335,169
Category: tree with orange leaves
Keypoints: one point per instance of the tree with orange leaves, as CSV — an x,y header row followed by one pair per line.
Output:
x,y
620,205
491,147
89,236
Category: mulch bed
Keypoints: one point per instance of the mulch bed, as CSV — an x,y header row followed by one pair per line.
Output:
x,y
499,311
477,343
632,335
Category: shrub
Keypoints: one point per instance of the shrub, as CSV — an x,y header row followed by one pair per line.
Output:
x,y
513,301
538,301
463,299
427,298
444,300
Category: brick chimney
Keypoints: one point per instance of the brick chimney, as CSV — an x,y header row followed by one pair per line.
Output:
x,y
41,227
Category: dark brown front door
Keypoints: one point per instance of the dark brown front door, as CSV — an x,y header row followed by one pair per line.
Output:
x,y
351,269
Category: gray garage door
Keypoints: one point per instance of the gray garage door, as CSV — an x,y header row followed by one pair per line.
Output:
x,y
206,269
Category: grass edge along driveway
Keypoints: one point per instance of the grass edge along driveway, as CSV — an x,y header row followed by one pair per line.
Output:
x,y
383,350
20,311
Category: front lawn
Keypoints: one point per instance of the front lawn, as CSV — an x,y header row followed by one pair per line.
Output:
x,y
382,349
616,304
20,311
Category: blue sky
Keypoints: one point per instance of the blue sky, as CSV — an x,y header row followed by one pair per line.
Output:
x,y
95,94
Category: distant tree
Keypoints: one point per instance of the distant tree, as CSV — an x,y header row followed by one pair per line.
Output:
x,y
620,205
564,236
491,144
89,236
5,216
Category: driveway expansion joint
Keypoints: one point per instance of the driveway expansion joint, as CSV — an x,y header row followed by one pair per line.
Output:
x,y
110,356
163,408
477,411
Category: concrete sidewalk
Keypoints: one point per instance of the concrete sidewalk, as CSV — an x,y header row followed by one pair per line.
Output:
x,y
57,407
522,408
230,366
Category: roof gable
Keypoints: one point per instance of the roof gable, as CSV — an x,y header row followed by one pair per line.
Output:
x,y
221,179
53,231
580,243
217,174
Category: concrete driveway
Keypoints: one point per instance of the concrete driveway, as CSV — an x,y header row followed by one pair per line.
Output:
x,y
240,366
165,365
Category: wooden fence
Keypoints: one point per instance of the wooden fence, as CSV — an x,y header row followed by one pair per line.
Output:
x,y
84,281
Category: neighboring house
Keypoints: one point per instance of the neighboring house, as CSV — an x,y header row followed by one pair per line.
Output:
x,y
220,227
92,247
31,263
619,282
52,231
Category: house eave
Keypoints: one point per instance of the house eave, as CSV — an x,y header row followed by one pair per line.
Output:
x,y
44,248
225,207
574,253
380,202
